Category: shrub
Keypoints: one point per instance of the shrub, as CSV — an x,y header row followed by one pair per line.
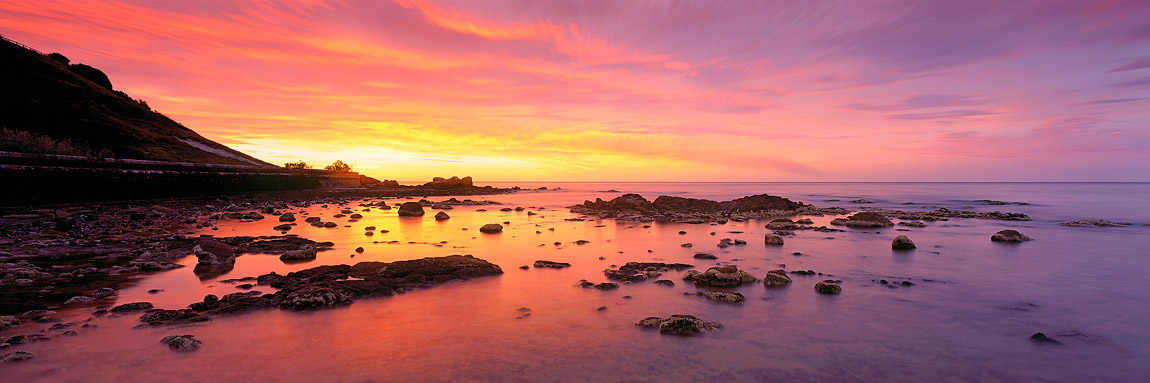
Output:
x,y
338,166
28,142
297,165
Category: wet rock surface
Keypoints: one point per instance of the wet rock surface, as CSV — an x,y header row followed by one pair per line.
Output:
x,y
864,219
410,209
679,324
902,242
17,356
828,287
1094,223
491,228
776,278
551,264
722,296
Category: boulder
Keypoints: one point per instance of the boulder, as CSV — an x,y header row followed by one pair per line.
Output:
x,y
287,217
491,228
782,224
182,343
705,256
723,276
776,278
129,307
411,209
1009,236
212,252
1043,339
773,239
80,299
441,216
282,227
829,287
902,242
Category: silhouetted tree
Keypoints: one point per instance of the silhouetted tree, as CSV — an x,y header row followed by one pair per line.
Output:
x,y
297,165
338,166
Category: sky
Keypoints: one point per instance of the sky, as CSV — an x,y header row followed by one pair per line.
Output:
x,y
525,90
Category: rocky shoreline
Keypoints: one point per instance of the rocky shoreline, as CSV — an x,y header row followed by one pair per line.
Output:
x,y
49,254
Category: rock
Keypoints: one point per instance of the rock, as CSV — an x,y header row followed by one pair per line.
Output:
x,y
8,321
158,317
282,227
491,228
1043,339
411,209
829,287
441,216
359,249
305,252
665,282
864,219
773,239
312,219
129,307
705,256
679,325
1094,222
550,264
330,224
182,343
805,221
723,276
1009,236
287,217
314,297
212,252
902,242
912,224
782,224
17,356
356,216
524,267
641,271
776,278
79,300
722,296
103,292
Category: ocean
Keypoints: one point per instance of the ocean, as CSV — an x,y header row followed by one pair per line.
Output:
x,y
966,316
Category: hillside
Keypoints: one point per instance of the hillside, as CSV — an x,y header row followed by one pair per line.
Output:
x,y
49,105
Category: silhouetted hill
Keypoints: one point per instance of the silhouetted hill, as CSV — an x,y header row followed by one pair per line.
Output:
x,y
48,105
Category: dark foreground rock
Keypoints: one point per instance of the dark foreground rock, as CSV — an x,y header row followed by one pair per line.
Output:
x,y
1009,236
212,252
334,285
491,228
411,209
724,276
679,325
182,343
641,271
1043,339
723,296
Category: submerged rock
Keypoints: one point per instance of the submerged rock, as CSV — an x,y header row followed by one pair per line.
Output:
x,y
1094,222
17,356
776,278
129,307
1043,339
723,276
182,343
314,297
679,325
1009,236
902,242
641,271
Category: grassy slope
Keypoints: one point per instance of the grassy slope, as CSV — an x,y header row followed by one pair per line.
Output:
x,y
40,95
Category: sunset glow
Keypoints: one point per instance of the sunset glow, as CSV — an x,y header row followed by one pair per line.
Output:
x,y
637,91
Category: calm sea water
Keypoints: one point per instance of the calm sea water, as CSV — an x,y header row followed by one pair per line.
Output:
x,y
1086,287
